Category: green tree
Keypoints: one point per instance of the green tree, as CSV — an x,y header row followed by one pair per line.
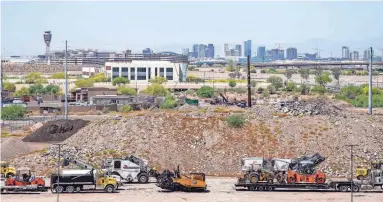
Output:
x,y
289,73
271,89
126,108
158,80
232,83
58,75
124,90
305,73
37,88
21,92
9,86
100,77
230,66
35,77
323,78
336,74
271,70
84,83
276,81
156,90
304,89
120,80
291,86
52,89
12,112
205,92
318,89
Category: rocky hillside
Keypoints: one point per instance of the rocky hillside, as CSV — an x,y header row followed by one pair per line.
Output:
x,y
200,140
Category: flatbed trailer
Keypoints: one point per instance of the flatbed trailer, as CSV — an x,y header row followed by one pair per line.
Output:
x,y
342,186
29,188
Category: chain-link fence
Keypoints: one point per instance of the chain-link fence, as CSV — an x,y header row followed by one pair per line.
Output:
x,y
18,124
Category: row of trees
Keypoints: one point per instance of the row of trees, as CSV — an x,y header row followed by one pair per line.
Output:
x,y
37,89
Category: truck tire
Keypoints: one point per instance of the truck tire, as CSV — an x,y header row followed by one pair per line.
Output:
x,y
78,189
59,189
143,178
355,188
343,188
109,189
254,178
69,189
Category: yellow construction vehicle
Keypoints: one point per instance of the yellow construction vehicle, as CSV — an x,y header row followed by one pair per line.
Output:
x,y
174,181
6,170
362,173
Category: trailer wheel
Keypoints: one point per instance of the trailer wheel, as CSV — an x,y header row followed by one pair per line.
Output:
x,y
260,188
70,189
59,189
343,188
78,189
270,188
252,188
143,178
355,188
109,188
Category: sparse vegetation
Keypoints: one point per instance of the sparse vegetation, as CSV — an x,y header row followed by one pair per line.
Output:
x,y
58,75
124,90
100,77
291,86
318,89
358,96
84,83
205,92
21,92
305,73
170,102
120,80
126,108
35,77
322,78
156,90
9,86
158,80
236,120
12,112
276,81
232,83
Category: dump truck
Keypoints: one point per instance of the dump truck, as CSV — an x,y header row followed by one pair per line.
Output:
x,y
372,176
77,180
130,169
175,181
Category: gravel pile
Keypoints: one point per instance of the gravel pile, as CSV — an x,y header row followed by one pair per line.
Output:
x,y
12,147
53,131
314,107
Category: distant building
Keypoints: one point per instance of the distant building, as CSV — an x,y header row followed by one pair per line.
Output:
x,y
238,48
195,50
261,52
274,54
185,51
147,51
247,48
226,49
309,56
281,54
201,51
367,55
345,52
355,55
291,53
210,51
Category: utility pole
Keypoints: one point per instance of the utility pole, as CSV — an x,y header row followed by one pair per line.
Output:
x,y
66,83
352,164
370,84
248,82
58,171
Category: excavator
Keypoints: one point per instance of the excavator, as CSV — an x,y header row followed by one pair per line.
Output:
x,y
175,181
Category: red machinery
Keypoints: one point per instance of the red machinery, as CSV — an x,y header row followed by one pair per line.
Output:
x,y
24,178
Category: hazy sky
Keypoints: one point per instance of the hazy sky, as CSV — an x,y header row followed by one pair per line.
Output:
x,y
172,26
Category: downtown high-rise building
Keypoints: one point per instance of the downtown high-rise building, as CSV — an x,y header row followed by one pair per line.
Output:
x,y
261,52
355,55
201,51
291,53
210,51
185,51
247,48
345,52
195,50
367,55
147,51
238,49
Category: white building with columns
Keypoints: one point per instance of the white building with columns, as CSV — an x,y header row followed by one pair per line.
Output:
x,y
144,70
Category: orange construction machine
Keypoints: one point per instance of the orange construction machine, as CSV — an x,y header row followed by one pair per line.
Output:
x,y
302,170
25,178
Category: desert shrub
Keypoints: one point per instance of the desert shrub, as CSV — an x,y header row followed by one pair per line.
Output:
x,y
236,121
291,86
276,81
318,89
271,89
323,78
12,112
304,89
84,83
263,71
158,80
253,83
193,78
126,108
120,80
271,70
124,90
156,90
35,77
58,75
170,103
205,92
9,86
232,83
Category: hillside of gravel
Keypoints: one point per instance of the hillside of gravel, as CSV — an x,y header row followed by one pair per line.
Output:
x,y
201,140
53,131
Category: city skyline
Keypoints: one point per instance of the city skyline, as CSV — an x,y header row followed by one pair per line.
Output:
x,y
336,24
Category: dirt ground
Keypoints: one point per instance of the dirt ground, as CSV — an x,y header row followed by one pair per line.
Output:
x,y
220,189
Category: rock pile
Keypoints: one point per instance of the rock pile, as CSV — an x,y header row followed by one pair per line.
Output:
x,y
314,107
53,131
12,147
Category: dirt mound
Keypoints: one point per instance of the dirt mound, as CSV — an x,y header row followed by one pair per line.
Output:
x,y
58,130
12,147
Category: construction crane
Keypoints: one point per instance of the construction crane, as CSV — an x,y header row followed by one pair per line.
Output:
x,y
318,51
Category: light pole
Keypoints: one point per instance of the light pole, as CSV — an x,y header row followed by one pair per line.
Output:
x,y
370,83
352,164
58,170
66,81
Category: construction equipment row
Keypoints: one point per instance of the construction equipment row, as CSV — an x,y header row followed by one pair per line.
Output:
x,y
259,174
